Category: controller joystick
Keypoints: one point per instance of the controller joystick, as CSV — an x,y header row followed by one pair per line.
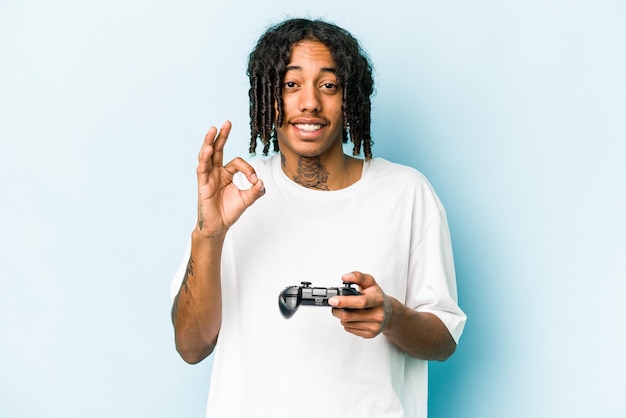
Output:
x,y
293,296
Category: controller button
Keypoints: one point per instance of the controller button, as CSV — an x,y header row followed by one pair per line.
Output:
x,y
319,292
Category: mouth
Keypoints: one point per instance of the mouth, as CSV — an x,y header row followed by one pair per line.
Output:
x,y
308,127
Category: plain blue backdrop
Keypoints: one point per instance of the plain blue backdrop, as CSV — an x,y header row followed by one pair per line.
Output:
x,y
515,111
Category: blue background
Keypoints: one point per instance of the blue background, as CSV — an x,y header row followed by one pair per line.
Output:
x,y
515,111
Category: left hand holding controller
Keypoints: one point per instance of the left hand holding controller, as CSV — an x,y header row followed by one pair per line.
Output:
x,y
366,315
418,334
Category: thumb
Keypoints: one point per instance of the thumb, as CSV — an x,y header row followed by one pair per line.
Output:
x,y
253,193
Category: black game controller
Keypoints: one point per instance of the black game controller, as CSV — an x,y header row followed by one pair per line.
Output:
x,y
293,296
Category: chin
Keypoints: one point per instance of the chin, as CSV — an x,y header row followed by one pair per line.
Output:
x,y
306,149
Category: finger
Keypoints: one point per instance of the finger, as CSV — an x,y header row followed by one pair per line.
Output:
x,y
364,330
205,166
252,194
209,139
349,302
359,315
218,145
257,189
371,294
360,279
343,301
362,322
239,165
205,163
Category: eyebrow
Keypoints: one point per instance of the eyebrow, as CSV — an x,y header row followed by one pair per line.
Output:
x,y
323,69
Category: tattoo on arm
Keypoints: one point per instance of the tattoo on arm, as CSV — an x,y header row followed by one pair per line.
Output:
x,y
188,272
184,286
200,217
311,173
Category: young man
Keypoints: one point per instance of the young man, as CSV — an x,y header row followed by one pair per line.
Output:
x,y
312,213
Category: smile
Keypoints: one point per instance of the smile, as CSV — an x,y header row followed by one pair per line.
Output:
x,y
308,127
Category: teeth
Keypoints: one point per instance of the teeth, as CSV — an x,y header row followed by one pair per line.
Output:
x,y
309,127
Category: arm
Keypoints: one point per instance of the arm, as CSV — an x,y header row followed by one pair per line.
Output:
x,y
418,334
197,309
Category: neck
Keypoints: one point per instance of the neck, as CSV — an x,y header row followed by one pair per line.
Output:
x,y
316,174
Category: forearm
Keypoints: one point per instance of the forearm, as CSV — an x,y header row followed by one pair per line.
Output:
x,y
197,309
418,334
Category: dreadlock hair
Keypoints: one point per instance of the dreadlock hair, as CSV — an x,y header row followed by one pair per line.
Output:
x,y
267,67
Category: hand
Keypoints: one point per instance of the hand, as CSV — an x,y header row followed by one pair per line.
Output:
x,y
367,314
220,202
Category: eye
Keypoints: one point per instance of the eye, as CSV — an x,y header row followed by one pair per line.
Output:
x,y
290,84
330,88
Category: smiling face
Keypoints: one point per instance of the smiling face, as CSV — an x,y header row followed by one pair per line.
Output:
x,y
312,104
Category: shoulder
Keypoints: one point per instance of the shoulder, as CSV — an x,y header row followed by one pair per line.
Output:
x,y
384,170
403,182
263,164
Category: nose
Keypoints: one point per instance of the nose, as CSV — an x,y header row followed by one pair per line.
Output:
x,y
310,99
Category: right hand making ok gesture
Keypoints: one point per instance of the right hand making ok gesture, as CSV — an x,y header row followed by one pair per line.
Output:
x,y
220,202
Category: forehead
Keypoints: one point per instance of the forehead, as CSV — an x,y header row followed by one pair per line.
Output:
x,y
310,54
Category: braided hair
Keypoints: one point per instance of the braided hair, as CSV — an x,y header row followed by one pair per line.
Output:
x,y
267,67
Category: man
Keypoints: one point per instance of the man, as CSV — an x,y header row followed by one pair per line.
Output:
x,y
312,213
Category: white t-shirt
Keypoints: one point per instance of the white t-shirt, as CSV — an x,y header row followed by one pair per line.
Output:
x,y
389,224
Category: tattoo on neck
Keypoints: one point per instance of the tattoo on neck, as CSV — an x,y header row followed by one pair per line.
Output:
x,y
311,173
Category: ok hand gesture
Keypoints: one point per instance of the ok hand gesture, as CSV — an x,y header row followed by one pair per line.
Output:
x,y
220,202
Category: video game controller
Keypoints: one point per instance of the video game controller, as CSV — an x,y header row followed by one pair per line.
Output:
x,y
293,296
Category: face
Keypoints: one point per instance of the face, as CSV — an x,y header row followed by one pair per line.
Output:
x,y
312,99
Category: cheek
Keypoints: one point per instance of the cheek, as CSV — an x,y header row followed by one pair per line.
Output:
x,y
337,115
335,105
